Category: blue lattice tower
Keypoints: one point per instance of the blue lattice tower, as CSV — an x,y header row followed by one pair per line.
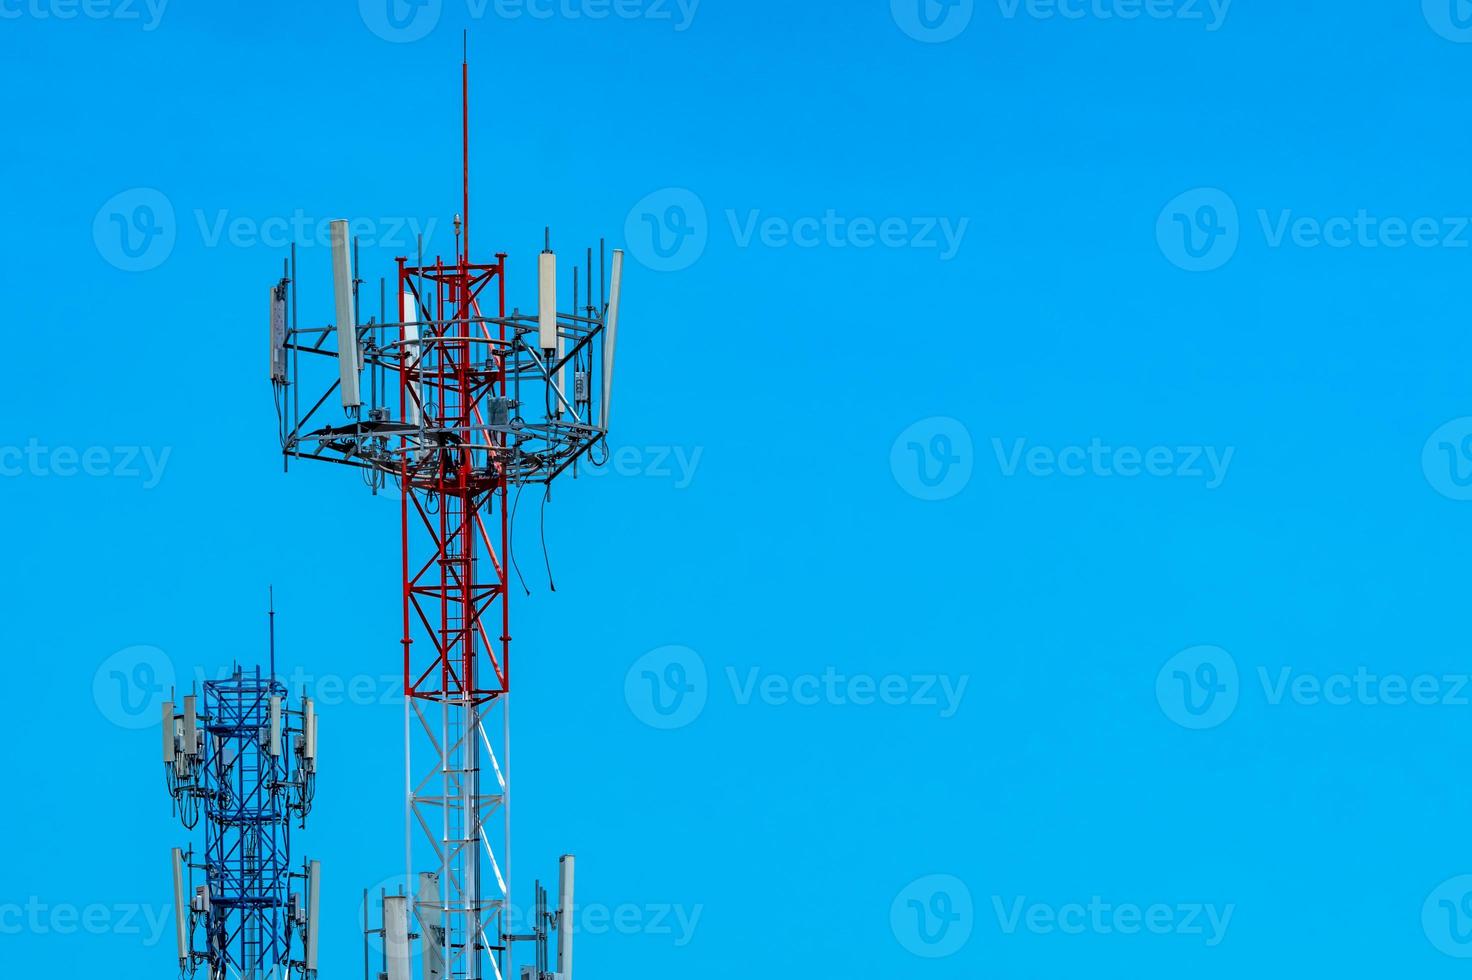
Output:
x,y
241,759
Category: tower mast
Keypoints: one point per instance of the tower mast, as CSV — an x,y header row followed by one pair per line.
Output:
x,y
487,403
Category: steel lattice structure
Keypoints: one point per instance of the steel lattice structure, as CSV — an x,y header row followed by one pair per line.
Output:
x,y
242,761
465,405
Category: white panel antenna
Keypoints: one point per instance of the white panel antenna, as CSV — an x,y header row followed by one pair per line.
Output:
x,y
278,335
309,734
431,921
169,733
348,365
181,916
191,728
396,936
610,330
314,905
566,869
274,743
412,356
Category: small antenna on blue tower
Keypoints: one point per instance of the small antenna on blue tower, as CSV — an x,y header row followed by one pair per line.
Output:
x,y
271,619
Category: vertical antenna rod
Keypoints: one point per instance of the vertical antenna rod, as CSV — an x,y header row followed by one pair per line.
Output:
x,y
271,619
465,139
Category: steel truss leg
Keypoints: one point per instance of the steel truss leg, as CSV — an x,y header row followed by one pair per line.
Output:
x,y
461,807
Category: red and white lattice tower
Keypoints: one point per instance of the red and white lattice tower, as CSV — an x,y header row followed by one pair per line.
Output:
x,y
459,406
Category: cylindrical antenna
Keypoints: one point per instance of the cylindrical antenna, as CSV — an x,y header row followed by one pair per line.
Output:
x,y
309,734
547,298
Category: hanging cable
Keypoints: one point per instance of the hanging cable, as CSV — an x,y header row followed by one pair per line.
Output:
x,y
511,543
545,556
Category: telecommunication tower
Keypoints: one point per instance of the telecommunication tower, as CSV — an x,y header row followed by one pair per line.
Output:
x,y
244,761
458,405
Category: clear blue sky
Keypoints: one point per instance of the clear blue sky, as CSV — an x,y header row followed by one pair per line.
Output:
x,y
1095,385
